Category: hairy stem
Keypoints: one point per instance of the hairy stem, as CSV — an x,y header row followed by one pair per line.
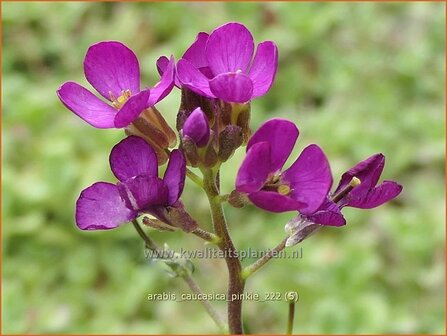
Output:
x,y
150,244
235,282
249,270
206,304
208,236
194,177
224,198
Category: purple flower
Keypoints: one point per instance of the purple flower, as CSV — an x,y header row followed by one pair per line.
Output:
x,y
303,186
221,65
104,206
197,128
357,188
113,70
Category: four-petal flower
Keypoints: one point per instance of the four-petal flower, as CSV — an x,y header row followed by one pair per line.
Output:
x,y
221,65
105,205
358,189
113,70
303,186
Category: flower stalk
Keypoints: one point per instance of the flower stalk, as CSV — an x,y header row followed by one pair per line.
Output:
x,y
249,270
184,273
236,283
290,317
205,303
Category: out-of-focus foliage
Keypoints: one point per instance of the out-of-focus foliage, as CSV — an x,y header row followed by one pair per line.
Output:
x,y
358,78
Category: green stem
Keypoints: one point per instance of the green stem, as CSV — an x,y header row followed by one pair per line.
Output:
x,y
208,236
235,282
291,317
249,270
224,198
194,177
147,241
150,244
206,304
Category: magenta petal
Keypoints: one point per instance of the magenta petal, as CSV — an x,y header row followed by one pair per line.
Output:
x,y
111,67
100,207
132,108
86,105
164,86
274,202
162,64
310,178
232,87
196,52
368,171
328,218
143,191
193,79
197,127
255,169
229,48
381,194
132,157
174,178
263,69
328,214
281,134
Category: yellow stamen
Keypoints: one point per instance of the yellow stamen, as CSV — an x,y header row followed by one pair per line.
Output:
x,y
355,181
121,100
284,189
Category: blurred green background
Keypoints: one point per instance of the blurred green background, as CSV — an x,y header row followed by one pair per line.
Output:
x,y
357,78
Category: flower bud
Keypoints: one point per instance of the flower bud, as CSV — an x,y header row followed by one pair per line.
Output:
x,y
189,148
229,140
210,156
238,199
197,128
190,101
243,121
237,115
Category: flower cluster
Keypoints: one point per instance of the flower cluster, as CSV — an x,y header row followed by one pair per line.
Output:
x,y
218,75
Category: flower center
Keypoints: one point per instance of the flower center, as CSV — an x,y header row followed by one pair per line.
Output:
x,y
274,183
121,100
355,181
284,189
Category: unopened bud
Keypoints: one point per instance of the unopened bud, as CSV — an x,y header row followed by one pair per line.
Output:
x,y
197,128
210,156
190,101
243,121
237,199
229,140
189,148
